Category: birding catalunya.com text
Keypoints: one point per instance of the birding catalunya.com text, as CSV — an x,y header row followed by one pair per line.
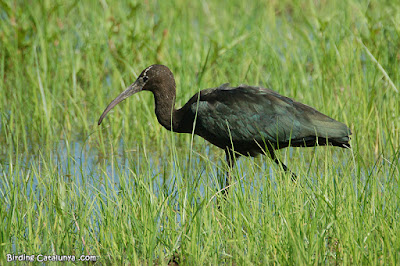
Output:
x,y
48,258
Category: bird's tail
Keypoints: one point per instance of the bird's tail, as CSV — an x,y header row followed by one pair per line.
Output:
x,y
342,142
332,132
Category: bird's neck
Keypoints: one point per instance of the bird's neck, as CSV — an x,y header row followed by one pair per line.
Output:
x,y
165,110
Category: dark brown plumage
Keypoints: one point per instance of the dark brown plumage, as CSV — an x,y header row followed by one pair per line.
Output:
x,y
243,120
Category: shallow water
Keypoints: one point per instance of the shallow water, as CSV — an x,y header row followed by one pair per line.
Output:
x,y
82,165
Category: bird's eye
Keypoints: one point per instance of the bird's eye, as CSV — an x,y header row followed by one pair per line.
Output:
x,y
145,78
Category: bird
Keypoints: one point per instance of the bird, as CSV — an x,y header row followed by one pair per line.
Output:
x,y
243,120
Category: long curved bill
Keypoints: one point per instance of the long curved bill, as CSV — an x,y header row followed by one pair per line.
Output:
x,y
132,89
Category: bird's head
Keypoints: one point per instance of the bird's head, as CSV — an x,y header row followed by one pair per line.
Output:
x,y
153,78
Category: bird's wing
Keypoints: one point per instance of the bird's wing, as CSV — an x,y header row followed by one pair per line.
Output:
x,y
249,113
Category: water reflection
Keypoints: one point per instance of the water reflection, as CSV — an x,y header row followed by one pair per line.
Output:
x,y
86,171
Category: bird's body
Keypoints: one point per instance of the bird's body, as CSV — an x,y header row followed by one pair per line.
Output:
x,y
243,120
247,119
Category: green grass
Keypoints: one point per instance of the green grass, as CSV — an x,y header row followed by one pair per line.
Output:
x,y
131,192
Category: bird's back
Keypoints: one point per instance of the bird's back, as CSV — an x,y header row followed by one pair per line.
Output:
x,y
248,117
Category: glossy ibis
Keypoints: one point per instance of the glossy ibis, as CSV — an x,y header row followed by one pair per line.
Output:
x,y
243,120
